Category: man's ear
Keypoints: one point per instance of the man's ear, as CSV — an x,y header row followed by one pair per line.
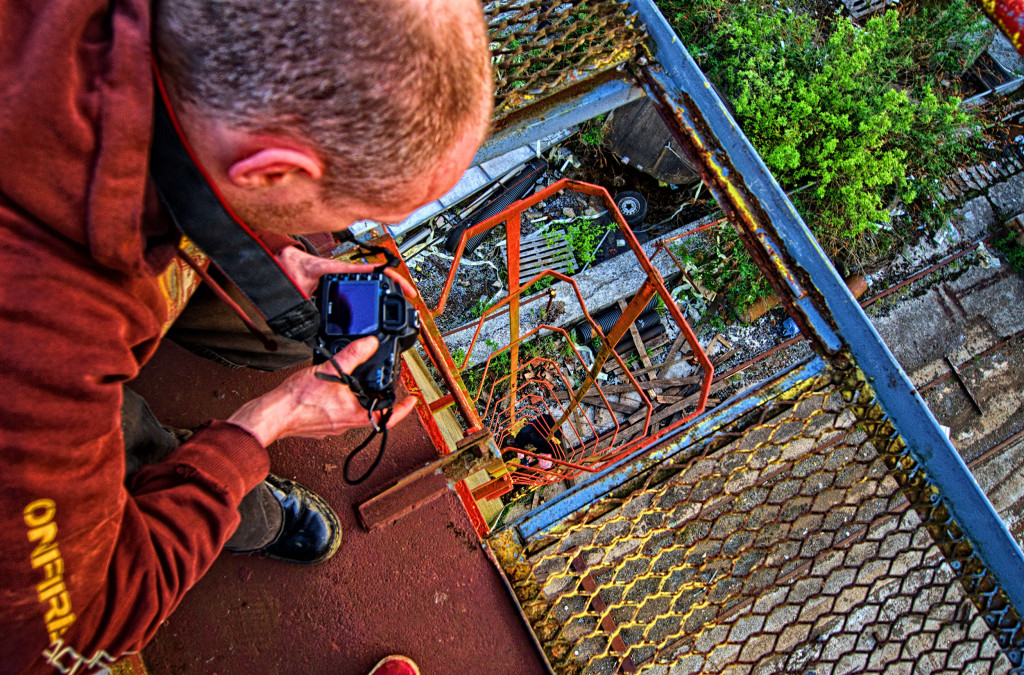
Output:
x,y
274,166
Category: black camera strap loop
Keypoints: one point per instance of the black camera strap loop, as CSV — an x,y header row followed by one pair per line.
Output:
x,y
383,431
371,404
391,258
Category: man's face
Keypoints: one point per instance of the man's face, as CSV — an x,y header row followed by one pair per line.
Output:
x,y
325,214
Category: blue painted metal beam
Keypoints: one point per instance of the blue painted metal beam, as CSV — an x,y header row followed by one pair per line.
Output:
x,y
713,137
603,98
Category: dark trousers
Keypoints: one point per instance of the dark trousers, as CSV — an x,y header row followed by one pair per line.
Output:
x,y
209,328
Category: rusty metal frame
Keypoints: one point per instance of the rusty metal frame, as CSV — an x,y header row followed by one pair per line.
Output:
x,y
652,285
851,360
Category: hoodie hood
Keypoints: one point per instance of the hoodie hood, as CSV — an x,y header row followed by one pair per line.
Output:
x,y
76,122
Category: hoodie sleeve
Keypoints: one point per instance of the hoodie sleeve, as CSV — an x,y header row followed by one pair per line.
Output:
x,y
90,567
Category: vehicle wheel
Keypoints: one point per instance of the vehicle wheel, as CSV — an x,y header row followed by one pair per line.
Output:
x,y
632,206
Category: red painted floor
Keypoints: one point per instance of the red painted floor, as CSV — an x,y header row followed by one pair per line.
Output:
x,y
421,587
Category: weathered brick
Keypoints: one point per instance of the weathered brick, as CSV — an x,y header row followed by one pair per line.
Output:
x,y
792,636
744,627
757,647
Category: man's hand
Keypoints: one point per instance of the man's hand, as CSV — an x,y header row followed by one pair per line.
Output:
x,y
302,405
306,270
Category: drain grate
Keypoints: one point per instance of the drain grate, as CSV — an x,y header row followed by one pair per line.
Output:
x,y
545,251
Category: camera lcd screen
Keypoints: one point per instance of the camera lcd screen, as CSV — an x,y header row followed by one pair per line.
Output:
x,y
352,307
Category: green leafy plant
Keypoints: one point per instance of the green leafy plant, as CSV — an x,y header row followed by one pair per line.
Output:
x,y
849,110
855,116
724,267
459,357
593,131
584,235
501,365
472,377
1013,250
479,307
539,286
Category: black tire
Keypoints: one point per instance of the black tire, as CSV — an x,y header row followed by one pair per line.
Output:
x,y
632,206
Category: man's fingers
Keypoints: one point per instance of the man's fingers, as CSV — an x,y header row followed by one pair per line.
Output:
x,y
330,266
353,354
402,408
407,287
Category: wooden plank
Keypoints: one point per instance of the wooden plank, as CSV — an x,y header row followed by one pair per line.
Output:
x,y
450,428
673,350
611,364
652,384
637,341
598,402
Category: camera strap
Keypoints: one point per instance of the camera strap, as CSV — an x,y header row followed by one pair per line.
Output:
x,y
200,212
384,404
390,258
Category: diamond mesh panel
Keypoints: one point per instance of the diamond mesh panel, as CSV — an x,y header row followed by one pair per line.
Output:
x,y
801,538
540,47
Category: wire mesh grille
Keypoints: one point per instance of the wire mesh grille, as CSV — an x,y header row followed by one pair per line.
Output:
x,y
540,47
801,538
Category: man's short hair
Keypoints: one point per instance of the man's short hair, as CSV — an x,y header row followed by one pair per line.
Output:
x,y
380,88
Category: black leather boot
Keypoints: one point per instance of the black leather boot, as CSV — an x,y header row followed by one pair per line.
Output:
x,y
309,533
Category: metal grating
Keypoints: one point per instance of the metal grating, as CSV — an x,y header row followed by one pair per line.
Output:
x,y
861,8
540,47
799,538
795,532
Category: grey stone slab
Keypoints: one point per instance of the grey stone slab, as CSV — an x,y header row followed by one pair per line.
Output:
x,y
922,330
975,218
471,181
499,166
994,294
918,331
1008,197
1005,55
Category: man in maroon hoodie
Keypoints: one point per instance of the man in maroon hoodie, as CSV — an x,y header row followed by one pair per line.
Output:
x,y
305,115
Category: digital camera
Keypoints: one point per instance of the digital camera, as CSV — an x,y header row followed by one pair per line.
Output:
x,y
354,306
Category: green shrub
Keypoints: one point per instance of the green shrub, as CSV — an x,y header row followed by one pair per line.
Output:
x,y
592,132
1012,249
724,267
584,235
855,115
